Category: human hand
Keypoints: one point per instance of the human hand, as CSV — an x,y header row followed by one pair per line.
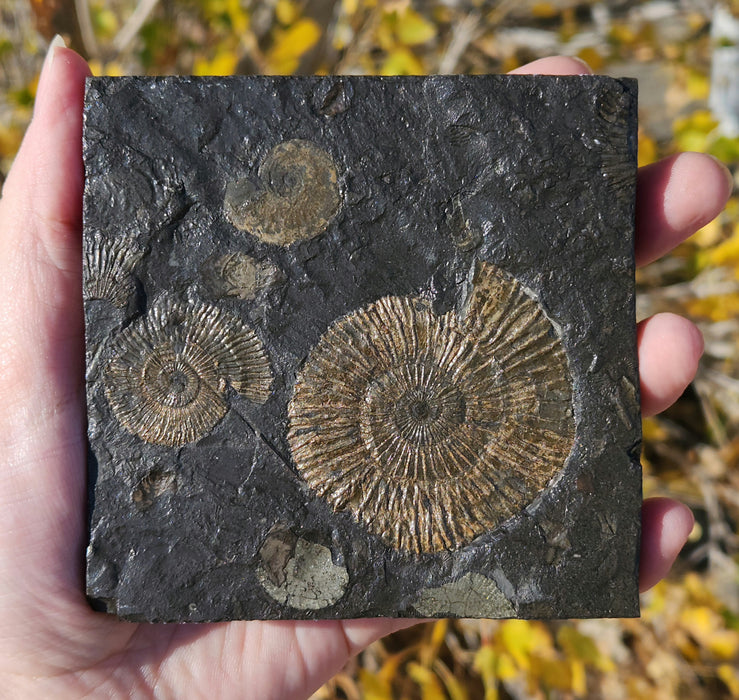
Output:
x,y
52,644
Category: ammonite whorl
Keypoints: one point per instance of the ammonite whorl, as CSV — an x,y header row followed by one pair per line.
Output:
x,y
166,382
108,266
433,429
295,199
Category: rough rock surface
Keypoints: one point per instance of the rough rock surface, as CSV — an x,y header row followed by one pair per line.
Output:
x,y
466,246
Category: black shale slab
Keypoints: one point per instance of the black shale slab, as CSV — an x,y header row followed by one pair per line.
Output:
x,y
361,347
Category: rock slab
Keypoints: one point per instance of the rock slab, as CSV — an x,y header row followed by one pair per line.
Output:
x,y
361,347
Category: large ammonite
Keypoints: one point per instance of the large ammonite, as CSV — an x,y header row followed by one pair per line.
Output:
x,y
167,379
297,195
433,429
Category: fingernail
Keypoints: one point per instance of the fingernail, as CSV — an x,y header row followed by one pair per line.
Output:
x,y
56,43
583,63
727,173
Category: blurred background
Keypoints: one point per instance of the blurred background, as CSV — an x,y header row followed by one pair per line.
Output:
x,y
686,57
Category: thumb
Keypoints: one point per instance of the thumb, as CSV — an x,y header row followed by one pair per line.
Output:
x,y
40,220
42,448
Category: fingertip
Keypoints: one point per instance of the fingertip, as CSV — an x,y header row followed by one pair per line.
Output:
x,y
676,197
666,526
700,178
554,65
670,348
46,177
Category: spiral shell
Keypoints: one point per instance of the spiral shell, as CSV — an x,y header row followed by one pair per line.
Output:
x,y
295,199
166,382
433,429
108,266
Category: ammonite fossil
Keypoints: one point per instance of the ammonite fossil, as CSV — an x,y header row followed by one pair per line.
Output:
x,y
433,429
167,379
296,197
108,266
237,274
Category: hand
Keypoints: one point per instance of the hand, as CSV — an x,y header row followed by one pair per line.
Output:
x,y
51,643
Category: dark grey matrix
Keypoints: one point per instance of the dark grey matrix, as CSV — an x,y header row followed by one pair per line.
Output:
x,y
535,175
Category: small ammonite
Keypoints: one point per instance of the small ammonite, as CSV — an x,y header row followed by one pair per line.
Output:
x,y
108,265
295,198
166,381
433,429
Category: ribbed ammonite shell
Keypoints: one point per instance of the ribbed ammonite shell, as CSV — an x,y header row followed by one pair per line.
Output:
x,y
433,429
108,265
297,195
166,382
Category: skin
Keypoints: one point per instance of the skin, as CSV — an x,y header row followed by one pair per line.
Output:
x,y
51,643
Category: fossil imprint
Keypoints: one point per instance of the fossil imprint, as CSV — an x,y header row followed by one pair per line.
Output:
x,y
166,382
108,266
433,429
295,199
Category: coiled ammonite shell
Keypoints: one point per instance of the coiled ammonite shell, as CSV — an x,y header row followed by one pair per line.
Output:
x,y
108,265
433,429
296,197
166,382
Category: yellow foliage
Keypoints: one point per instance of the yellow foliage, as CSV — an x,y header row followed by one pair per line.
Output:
x,y
647,149
486,664
724,644
373,686
390,666
430,651
228,14
553,674
412,28
112,69
698,84
730,677
717,307
544,10
506,668
290,45
426,679
104,21
223,63
706,626
691,132
238,16
578,678
510,63
653,430
454,688
286,12
10,140
402,61
579,646
623,34
592,57
726,253
522,638
349,6
709,235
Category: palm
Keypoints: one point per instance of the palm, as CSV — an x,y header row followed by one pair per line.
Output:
x,y
52,643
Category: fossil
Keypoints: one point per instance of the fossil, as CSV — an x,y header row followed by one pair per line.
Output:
x,y
237,274
108,266
296,196
618,168
473,594
433,429
299,573
167,379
